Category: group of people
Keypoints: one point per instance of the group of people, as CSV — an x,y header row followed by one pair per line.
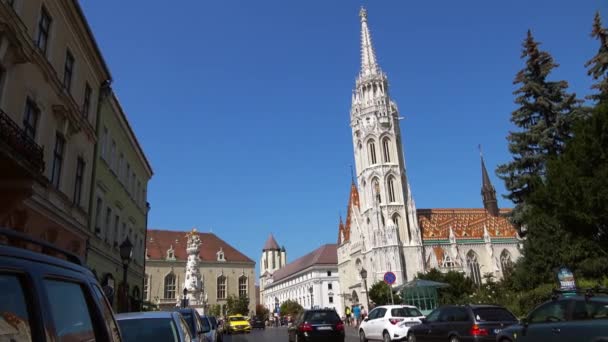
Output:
x,y
354,315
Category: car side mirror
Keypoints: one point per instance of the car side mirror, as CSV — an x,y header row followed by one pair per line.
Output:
x,y
366,319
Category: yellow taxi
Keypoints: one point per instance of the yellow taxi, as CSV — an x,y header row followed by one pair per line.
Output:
x,y
237,323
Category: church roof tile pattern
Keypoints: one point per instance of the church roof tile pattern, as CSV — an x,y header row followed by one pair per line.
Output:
x,y
324,255
271,244
353,200
465,223
160,241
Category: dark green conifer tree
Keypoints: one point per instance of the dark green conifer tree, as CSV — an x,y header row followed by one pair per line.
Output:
x,y
598,65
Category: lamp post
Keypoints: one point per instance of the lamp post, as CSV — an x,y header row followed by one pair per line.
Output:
x,y
364,277
126,253
311,297
185,299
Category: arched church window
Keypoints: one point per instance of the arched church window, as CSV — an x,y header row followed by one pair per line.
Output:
x,y
371,146
473,266
170,286
242,286
391,189
506,263
386,151
221,287
376,190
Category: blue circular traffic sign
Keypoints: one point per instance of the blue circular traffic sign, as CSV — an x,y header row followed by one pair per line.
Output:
x,y
389,278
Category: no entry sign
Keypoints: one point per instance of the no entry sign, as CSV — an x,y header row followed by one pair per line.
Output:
x,y
389,278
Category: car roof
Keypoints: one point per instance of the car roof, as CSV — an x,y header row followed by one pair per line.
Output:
x,y
15,252
395,306
147,314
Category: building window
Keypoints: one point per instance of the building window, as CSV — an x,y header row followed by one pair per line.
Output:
x,y
330,286
221,287
377,190
116,223
386,150
447,261
44,27
68,70
113,156
107,223
98,215
506,263
30,119
145,295
138,199
120,166
391,189
243,286
57,160
102,143
220,255
371,146
79,178
329,273
86,103
127,182
331,299
133,185
170,286
473,266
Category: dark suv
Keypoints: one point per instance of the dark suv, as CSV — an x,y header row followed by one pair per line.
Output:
x,y
462,323
47,298
580,317
317,325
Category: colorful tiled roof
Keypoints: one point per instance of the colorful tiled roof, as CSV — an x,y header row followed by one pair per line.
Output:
x,y
324,255
271,244
160,241
353,200
466,224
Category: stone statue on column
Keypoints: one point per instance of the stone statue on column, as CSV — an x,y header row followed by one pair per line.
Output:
x,y
194,280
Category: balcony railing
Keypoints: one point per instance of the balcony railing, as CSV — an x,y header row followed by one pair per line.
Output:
x,y
21,144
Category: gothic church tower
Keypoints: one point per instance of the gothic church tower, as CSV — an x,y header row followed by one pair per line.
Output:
x,y
386,206
273,258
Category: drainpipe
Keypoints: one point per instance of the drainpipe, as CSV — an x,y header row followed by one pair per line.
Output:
x,y
104,90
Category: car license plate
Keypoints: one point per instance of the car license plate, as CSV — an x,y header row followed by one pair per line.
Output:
x,y
496,331
324,328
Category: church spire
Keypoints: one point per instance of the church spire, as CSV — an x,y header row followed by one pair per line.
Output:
x,y
487,190
369,65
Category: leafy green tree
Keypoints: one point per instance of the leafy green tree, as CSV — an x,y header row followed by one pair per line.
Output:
x,y
544,120
598,65
290,307
380,294
459,289
237,305
215,310
262,311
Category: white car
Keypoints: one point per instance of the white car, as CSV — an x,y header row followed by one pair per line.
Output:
x,y
389,323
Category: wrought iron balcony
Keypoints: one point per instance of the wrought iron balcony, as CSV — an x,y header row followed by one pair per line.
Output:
x,y
22,146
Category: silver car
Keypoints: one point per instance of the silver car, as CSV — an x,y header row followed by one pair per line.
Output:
x,y
153,326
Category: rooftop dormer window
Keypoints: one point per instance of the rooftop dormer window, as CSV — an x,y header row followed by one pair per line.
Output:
x,y
220,255
171,253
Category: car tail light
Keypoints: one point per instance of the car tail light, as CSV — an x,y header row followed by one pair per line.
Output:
x,y
339,326
477,331
304,327
395,320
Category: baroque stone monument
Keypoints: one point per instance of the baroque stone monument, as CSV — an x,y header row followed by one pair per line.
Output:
x,y
194,281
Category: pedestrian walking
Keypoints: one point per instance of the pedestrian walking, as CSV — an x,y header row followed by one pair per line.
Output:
x,y
357,313
347,314
363,312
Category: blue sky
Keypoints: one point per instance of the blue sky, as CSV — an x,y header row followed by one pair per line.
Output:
x,y
242,107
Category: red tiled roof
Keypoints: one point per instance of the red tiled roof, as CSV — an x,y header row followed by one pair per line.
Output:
x,y
324,255
466,223
271,244
353,200
159,242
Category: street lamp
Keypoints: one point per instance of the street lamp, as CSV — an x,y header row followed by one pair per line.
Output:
x,y
126,253
311,298
364,277
185,299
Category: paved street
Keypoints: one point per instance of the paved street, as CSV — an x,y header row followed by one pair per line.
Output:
x,y
277,334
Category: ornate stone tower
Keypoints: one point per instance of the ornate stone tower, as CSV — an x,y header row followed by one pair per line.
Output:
x,y
273,258
387,208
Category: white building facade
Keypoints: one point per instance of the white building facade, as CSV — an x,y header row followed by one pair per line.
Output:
x,y
311,281
383,230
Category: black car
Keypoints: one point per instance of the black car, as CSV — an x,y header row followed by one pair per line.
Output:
x,y
198,327
580,317
257,322
47,297
317,325
456,323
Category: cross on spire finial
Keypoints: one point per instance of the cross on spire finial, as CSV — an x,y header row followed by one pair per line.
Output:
x,y
369,66
363,14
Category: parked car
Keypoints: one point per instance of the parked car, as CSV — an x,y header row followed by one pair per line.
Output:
x,y
237,323
582,317
199,327
216,328
317,325
389,322
456,323
46,297
258,322
210,333
154,326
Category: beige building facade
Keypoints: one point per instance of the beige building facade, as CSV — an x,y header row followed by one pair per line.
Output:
x,y
51,72
225,271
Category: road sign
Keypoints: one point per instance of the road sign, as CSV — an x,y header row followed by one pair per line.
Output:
x,y
389,278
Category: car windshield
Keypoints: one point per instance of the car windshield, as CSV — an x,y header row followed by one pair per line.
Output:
x,y
206,324
148,329
237,318
213,321
493,315
322,317
189,319
406,312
